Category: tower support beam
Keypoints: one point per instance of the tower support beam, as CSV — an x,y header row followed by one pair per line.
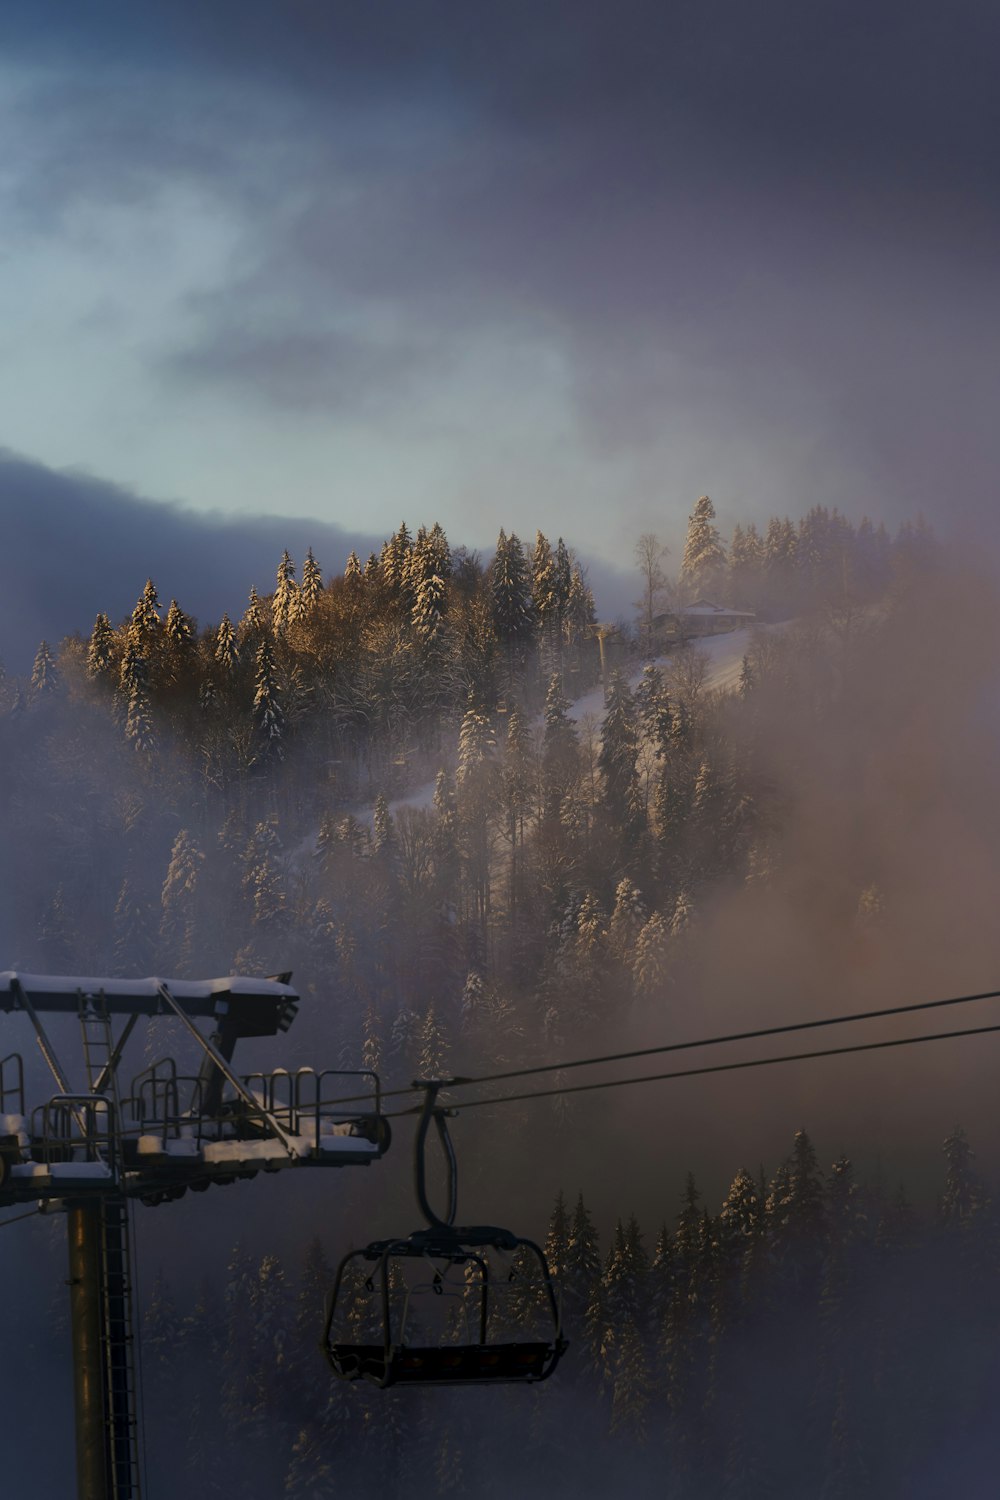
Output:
x,y
83,1225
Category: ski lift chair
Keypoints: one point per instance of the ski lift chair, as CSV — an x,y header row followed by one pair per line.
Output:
x,y
382,1352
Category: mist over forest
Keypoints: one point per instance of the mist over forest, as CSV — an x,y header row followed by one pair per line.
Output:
x,y
407,783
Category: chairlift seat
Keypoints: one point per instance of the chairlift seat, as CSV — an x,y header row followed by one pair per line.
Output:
x,y
464,1364
474,1361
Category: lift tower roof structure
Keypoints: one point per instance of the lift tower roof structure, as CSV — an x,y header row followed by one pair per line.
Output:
x,y
92,1148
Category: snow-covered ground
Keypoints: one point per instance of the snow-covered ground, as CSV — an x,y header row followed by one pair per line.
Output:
x,y
725,656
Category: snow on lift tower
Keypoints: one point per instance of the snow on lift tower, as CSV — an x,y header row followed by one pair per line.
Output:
x,y
92,1145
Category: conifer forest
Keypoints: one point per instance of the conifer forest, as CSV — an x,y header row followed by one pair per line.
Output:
x,y
407,782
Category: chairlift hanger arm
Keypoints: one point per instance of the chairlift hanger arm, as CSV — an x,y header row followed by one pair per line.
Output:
x,y
432,1110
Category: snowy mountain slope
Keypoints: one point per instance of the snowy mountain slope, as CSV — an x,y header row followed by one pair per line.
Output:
x,y
725,654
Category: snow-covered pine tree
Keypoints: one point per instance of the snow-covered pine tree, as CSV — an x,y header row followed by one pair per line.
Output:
x,y
100,652
227,651
252,624
428,614
547,604
518,776
179,904
560,749
580,613
44,675
746,561
285,601
651,958
269,715
146,615
383,828
512,611
627,920
653,706
133,691
476,746
704,563
352,570
432,1057
371,1040
178,628
617,761
312,584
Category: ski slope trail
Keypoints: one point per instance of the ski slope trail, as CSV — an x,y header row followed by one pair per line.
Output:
x,y
725,655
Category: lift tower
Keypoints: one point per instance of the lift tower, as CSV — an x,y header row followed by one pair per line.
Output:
x,y
92,1149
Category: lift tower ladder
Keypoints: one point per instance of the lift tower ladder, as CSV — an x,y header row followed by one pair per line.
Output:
x,y
118,1348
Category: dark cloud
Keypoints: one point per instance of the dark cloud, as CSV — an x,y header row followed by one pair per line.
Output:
x,y
905,88
301,371
766,228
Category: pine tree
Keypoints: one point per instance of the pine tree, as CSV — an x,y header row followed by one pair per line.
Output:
x,y
433,1053
511,604
269,716
227,651
285,601
582,1288
44,676
133,690
383,828
617,760
651,962
352,572
134,947
963,1194
653,707
428,613
702,569
160,1338
627,921
476,744
312,584
178,628
548,602
252,623
179,902
580,614
557,1239
101,648
146,615
57,931
517,785
237,1373
624,1343
560,749
371,1040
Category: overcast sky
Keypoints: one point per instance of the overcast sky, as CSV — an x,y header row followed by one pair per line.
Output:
x,y
523,264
